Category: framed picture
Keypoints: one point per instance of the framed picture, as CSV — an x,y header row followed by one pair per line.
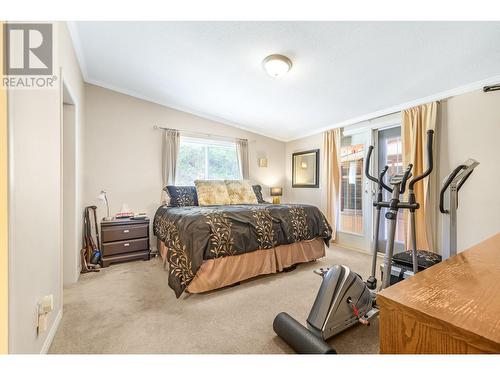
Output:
x,y
305,169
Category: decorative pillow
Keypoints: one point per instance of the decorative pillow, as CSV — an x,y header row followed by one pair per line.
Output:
x,y
181,196
240,192
212,193
257,189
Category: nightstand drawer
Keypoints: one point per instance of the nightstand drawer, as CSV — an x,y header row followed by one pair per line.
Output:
x,y
120,247
124,232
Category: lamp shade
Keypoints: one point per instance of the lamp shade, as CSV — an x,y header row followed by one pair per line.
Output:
x,y
102,196
276,192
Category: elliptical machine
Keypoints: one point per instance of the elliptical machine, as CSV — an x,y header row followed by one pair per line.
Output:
x,y
398,184
403,263
344,299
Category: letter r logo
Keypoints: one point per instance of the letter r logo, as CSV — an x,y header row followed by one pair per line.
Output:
x,y
28,49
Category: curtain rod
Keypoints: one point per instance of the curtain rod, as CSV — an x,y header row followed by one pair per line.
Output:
x,y
201,134
393,113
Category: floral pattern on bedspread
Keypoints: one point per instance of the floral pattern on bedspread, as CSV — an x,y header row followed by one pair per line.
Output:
x,y
264,227
194,234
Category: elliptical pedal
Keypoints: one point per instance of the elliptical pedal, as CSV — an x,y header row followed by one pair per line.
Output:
x,y
322,271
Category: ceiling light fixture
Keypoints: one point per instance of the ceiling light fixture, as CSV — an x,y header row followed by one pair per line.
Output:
x,y
277,65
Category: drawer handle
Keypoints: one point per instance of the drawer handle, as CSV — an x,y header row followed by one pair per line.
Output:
x,y
126,244
126,231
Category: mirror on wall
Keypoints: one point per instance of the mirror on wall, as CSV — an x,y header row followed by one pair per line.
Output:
x,y
305,169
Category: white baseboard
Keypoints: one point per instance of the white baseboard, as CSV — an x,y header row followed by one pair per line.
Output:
x,y
52,333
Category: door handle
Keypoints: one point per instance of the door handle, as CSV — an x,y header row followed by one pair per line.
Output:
x,y
126,231
126,244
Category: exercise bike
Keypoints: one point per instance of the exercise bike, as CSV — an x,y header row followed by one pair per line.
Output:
x,y
344,299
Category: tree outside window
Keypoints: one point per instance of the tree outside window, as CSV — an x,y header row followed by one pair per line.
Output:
x,y
201,159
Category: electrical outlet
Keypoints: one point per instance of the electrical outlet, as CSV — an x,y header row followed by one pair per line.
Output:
x,y
42,324
45,306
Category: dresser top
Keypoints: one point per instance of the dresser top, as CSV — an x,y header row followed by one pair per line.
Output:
x,y
129,221
462,291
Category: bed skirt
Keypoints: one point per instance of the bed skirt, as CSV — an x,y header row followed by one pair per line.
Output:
x,y
220,272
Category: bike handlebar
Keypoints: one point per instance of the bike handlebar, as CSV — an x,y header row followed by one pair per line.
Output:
x,y
430,163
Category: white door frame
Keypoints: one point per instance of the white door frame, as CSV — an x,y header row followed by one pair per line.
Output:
x,y
364,242
70,243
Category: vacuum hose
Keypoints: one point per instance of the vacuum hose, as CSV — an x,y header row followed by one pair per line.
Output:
x,y
298,337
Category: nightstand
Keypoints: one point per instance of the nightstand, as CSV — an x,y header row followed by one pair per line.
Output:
x,y
123,240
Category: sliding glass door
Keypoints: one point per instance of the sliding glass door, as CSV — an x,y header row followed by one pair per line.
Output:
x,y
390,152
354,227
357,193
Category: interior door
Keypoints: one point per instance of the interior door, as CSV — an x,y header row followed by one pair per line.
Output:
x,y
389,148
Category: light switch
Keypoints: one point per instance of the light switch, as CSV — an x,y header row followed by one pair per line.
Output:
x,y
46,304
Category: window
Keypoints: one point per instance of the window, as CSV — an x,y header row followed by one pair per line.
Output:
x,y
206,159
351,192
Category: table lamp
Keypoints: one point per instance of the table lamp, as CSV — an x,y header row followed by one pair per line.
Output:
x,y
102,197
276,193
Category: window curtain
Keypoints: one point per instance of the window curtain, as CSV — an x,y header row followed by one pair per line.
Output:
x,y
170,153
415,123
331,169
242,152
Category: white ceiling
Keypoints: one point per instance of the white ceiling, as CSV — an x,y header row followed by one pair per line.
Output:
x,y
341,70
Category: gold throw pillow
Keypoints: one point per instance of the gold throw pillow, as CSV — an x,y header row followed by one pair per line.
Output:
x,y
212,193
241,192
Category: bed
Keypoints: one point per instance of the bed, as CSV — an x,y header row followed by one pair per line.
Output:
x,y
209,247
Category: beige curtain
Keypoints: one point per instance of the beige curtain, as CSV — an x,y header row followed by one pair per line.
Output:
x,y
242,152
331,171
415,123
170,153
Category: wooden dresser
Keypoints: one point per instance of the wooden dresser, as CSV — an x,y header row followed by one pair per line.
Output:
x,y
123,240
450,308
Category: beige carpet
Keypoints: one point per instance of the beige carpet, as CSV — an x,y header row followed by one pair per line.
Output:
x,y
129,308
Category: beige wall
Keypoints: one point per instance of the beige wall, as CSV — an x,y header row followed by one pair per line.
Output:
x,y
469,128
312,196
35,247
123,151
4,225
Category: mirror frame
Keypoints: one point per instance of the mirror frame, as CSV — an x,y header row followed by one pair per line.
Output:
x,y
316,182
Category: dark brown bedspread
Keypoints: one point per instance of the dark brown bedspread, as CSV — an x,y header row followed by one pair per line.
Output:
x,y
194,234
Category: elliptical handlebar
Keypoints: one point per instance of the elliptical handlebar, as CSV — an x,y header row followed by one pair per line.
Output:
x,y
406,175
379,181
446,184
430,163
367,165
382,174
